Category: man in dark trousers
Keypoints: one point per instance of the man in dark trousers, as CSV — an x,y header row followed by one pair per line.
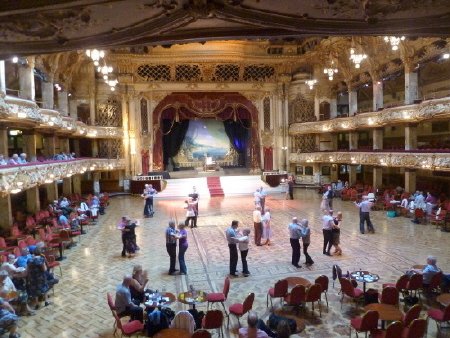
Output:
x,y
290,184
232,239
330,195
171,246
148,194
327,230
364,215
195,196
295,232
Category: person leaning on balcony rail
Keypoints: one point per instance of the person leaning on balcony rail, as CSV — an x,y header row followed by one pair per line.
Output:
x,y
23,158
14,160
2,160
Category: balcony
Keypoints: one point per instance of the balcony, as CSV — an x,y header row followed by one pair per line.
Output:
x,y
410,160
25,112
14,179
432,109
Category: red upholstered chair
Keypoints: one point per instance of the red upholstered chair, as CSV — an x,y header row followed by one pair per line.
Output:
x,y
435,283
213,320
219,297
3,244
394,330
416,329
440,316
323,281
313,295
280,290
411,314
52,263
239,309
389,295
130,328
30,241
349,290
296,298
201,334
415,284
420,215
366,323
400,285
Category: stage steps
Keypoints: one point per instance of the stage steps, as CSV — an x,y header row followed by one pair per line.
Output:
x,y
231,185
214,186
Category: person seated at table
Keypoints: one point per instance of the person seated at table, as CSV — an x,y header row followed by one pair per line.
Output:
x,y
8,319
19,297
252,331
123,302
428,271
138,284
37,284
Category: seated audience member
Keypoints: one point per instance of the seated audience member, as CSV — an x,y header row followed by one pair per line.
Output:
x,y
23,158
2,160
84,208
14,160
8,319
64,205
7,287
37,283
12,269
429,270
124,305
22,261
283,330
252,330
63,220
430,201
138,284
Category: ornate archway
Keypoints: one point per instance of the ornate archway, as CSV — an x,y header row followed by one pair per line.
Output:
x,y
203,105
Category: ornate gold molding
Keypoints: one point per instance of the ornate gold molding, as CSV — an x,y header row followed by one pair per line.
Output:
x,y
19,178
438,108
425,161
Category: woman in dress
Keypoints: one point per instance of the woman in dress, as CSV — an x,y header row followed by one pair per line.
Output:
x,y
182,247
324,204
336,231
8,290
37,284
130,237
191,215
267,230
138,284
8,319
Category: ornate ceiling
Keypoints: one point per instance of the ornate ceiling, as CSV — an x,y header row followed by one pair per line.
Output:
x,y
47,26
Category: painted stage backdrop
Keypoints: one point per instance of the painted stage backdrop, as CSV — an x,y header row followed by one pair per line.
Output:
x,y
205,138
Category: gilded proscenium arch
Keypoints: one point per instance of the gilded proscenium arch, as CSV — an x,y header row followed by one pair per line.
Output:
x,y
232,104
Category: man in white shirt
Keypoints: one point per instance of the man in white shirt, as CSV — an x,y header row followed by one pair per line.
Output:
x,y
257,223
252,331
257,198
327,227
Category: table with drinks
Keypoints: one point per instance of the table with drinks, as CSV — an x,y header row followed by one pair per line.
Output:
x,y
364,277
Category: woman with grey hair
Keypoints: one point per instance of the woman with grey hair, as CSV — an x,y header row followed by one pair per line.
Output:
x,y
306,239
429,270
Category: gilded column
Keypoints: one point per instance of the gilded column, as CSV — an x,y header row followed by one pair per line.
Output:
x,y
2,77
33,202
378,138
76,182
410,180
411,84
353,140
26,80
3,141
48,93
411,136
67,186
377,181
6,218
351,174
52,191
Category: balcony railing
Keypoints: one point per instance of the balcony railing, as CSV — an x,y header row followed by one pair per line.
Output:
x,y
14,179
427,161
439,108
19,110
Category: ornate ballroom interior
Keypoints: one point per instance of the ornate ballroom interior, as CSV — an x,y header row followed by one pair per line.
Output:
x,y
326,90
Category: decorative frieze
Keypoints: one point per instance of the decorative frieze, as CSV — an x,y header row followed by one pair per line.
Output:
x,y
438,108
18,178
430,161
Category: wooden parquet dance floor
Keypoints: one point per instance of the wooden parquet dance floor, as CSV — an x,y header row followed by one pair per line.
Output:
x,y
95,265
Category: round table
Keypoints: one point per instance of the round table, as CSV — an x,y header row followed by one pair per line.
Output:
x,y
173,333
418,267
386,312
192,298
293,281
165,298
364,277
443,299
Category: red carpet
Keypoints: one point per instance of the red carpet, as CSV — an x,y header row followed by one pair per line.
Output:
x,y
214,186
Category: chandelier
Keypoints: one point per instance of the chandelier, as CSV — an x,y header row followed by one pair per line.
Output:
x,y
330,71
311,83
357,58
98,57
394,41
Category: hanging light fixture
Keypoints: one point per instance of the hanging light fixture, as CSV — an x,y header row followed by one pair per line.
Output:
x,y
311,83
394,41
98,57
330,71
356,57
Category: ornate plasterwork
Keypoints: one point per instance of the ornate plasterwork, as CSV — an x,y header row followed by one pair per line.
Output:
x,y
267,138
426,161
438,108
20,178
